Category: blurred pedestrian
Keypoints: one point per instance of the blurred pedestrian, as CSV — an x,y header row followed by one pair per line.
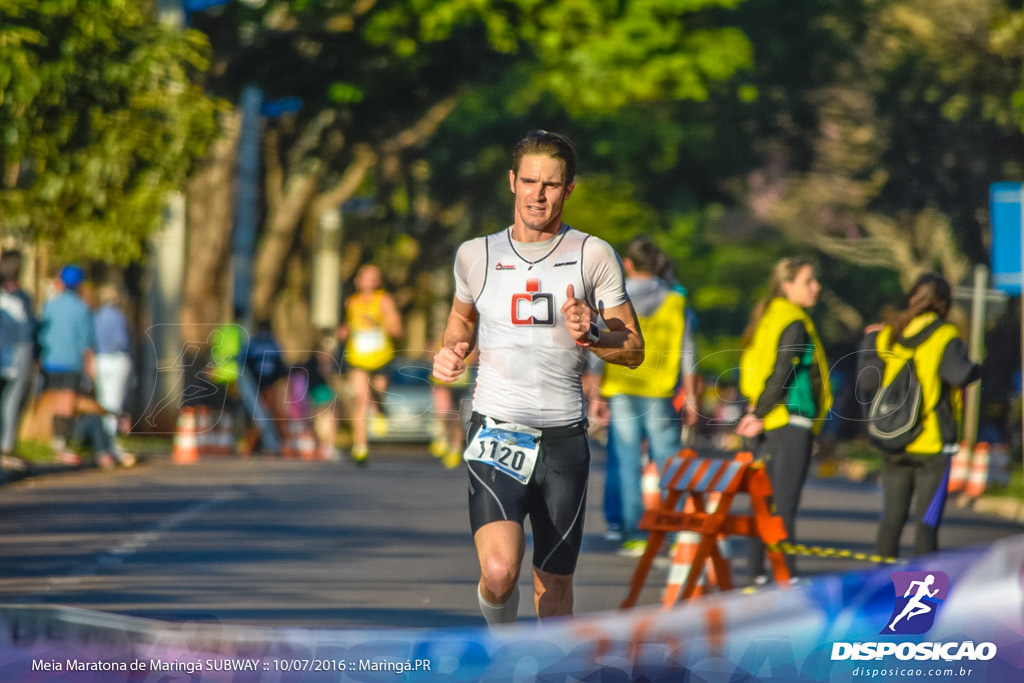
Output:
x,y
640,400
113,363
449,423
323,400
784,377
260,385
89,436
67,338
264,359
312,401
372,323
229,351
917,473
516,298
18,327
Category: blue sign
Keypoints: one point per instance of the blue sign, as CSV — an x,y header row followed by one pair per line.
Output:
x,y
286,105
200,5
1005,214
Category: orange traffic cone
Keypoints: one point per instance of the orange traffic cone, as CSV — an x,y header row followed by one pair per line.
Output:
x,y
224,435
959,468
289,450
650,486
305,441
979,471
301,441
186,449
204,431
219,439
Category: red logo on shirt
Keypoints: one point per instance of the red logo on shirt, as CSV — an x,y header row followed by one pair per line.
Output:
x,y
533,307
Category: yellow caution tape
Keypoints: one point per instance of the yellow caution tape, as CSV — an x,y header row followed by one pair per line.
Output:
x,y
821,551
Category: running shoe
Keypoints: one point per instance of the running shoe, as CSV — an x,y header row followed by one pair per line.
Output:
x,y
759,583
360,454
439,448
379,425
452,459
635,547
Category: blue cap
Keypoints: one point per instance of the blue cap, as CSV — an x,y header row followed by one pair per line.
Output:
x,y
72,276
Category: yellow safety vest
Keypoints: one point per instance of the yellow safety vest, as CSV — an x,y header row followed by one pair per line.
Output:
x,y
927,358
658,375
368,347
758,361
225,354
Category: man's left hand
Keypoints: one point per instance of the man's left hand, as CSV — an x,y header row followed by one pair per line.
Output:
x,y
578,315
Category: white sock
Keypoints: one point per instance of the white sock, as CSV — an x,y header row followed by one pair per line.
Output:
x,y
499,614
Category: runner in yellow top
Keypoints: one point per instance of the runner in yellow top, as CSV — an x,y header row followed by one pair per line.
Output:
x,y
371,324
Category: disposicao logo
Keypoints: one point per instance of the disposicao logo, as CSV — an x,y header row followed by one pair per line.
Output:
x,y
918,598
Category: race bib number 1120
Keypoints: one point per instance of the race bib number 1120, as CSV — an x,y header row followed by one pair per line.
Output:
x,y
508,449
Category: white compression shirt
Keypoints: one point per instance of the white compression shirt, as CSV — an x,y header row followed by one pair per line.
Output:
x,y
530,366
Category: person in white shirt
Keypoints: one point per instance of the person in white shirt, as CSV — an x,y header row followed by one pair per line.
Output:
x,y
529,298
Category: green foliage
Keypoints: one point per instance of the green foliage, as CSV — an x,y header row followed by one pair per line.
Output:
x,y
102,119
607,207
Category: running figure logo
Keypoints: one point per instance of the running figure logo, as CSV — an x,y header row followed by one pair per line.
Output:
x,y
918,596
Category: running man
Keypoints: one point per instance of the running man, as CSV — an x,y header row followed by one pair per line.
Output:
x,y
529,298
915,606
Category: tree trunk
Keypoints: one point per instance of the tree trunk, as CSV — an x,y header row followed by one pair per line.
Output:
x,y
301,200
274,248
206,300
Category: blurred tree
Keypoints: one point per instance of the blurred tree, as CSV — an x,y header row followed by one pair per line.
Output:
x,y
912,126
100,119
378,78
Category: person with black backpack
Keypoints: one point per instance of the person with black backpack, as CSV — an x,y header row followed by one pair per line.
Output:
x,y
910,373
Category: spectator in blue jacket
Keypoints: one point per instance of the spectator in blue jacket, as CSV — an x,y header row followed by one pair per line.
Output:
x,y
67,339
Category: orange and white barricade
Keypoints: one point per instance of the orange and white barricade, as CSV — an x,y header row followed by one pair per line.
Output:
x,y
690,478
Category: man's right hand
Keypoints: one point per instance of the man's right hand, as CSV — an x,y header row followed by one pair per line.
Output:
x,y
450,361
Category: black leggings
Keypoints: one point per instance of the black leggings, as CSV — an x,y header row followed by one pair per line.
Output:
x,y
554,499
906,477
787,455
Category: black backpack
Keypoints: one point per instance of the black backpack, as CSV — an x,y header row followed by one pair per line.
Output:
x,y
894,420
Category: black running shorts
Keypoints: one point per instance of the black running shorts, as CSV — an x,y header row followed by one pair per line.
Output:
x,y
555,498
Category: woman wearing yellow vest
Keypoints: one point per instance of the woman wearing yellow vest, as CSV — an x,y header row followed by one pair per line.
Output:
x,y
784,377
371,324
640,400
920,471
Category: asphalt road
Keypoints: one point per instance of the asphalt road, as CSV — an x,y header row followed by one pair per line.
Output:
x,y
327,545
